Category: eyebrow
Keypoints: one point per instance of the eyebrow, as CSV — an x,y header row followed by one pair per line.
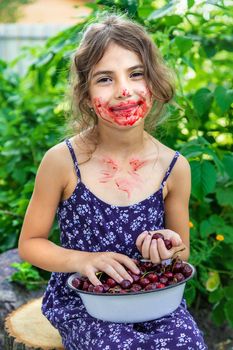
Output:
x,y
100,72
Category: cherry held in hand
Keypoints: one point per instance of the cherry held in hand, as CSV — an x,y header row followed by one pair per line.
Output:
x,y
167,242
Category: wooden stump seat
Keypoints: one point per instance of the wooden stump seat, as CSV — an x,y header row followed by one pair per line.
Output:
x,y
26,328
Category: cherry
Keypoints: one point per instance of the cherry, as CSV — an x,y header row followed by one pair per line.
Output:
x,y
177,267
135,287
90,288
179,277
152,277
168,274
157,236
98,289
135,278
187,270
148,265
151,286
111,282
122,291
106,287
144,281
85,285
168,244
77,283
125,284
163,280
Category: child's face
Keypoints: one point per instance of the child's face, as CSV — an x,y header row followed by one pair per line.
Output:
x,y
118,91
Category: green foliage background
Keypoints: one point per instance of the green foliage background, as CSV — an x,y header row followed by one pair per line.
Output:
x,y
197,45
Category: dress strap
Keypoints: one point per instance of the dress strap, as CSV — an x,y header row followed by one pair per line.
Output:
x,y
68,143
170,168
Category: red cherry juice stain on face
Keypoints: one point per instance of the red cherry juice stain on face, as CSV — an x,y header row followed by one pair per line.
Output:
x,y
125,92
124,113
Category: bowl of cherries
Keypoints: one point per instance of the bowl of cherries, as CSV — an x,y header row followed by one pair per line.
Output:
x,y
155,292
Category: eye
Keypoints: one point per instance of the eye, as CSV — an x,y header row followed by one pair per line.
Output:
x,y
104,80
137,74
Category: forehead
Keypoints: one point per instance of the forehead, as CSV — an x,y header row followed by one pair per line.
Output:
x,y
116,56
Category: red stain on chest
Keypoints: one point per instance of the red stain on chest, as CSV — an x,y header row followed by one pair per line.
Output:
x,y
126,179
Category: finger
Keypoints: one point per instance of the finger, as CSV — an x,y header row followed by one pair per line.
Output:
x,y
128,262
154,254
164,253
176,240
146,247
110,271
173,236
178,249
140,240
93,279
122,271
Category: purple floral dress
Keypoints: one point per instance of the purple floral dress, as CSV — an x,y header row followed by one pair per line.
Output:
x,y
89,224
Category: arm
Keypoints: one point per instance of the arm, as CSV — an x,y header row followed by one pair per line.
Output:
x,y
176,218
177,203
34,245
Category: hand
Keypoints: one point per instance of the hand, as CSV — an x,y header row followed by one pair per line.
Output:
x,y
155,249
108,262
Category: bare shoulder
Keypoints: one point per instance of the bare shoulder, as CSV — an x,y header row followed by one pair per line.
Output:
x,y
181,171
56,163
56,156
168,153
58,160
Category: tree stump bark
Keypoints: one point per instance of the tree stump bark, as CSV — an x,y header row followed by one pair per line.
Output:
x,y
12,295
26,328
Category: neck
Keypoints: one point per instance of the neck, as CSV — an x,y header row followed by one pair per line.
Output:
x,y
121,143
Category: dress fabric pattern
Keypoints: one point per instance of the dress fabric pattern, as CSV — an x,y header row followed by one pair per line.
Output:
x,y
89,224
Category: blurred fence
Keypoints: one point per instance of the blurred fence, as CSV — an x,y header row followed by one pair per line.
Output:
x,y
14,37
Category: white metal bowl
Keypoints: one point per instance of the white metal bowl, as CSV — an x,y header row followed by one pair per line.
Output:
x,y
132,307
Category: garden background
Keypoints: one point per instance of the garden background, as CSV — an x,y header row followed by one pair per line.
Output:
x,y
195,38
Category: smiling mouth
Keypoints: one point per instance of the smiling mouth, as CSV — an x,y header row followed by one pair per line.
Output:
x,y
124,108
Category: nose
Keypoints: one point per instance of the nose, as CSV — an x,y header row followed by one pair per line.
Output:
x,y
123,91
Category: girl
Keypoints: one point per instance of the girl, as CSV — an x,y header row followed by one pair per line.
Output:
x,y
111,184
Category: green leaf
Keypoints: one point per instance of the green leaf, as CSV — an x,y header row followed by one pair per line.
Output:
x,y
228,164
190,3
188,62
223,97
213,281
163,11
228,309
228,292
173,20
203,178
202,101
224,195
183,43
216,295
190,292
206,228
218,315
43,60
216,221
